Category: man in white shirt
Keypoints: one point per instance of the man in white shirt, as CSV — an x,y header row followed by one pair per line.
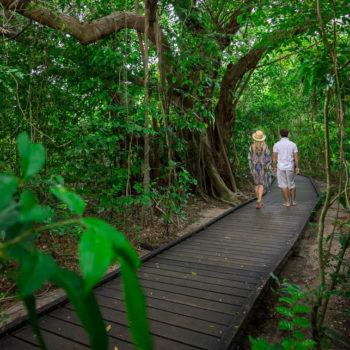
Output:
x,y
286,153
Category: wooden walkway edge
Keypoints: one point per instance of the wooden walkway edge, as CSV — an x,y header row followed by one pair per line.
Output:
x,y
200,289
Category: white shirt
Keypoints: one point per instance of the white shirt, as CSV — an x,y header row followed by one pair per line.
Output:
x,y
285,150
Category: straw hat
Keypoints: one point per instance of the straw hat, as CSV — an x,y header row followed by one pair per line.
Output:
x,y
259,136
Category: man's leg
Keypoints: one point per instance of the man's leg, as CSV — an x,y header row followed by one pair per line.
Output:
x,y
285,196
283,185
292,194
291,185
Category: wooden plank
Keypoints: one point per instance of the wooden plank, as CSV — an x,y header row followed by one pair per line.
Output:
x,y
248,250
237,254
195,266
12,343
117,324
186,291
175,266
244,264
239,240
206,304
196,285
54,341
212,317
199,278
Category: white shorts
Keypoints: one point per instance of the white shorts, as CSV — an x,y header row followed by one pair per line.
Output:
x,y
285,179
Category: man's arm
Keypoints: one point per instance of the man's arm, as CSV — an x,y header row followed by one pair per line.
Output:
x,y
274,159
296,159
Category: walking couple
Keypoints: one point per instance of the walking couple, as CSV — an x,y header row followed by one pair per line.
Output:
x,y
285,153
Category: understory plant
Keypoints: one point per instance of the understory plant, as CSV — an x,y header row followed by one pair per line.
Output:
x,y
23,219
295,310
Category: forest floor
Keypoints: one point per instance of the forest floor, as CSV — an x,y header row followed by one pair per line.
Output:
x,y
301,269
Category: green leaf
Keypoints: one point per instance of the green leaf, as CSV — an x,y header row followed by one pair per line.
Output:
x,y
85,305
301,308
9,216
32,156
343,242
301,322
74,202
29,302
299,335
239,18
286,325
95,255
286,300
8,186
120,243
35,270
30,210
285,311
135,304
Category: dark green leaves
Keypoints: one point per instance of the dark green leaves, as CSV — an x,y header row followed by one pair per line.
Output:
x,y
32,156
35,270
30,210
29,302
286,325
118,241
85,305
284,311
135,303
95,255
74,202
8,186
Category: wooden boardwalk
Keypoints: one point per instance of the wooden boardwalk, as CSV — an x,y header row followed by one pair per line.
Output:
x,y
199,289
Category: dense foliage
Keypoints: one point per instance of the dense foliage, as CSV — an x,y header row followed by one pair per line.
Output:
x,y
141,105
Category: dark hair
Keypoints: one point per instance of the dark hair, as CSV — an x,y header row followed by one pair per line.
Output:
x,y
284,132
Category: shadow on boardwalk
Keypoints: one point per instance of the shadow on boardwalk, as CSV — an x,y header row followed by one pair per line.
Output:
x,y
200,288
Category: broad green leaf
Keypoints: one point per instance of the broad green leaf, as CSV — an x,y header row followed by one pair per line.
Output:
x,y
301,322
9,216
32,156
30,210
29,302
35,270
301,308
299,335
120,243
74,202
285,311
135,304
95,255
286,300
85,305
8,186
286,325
